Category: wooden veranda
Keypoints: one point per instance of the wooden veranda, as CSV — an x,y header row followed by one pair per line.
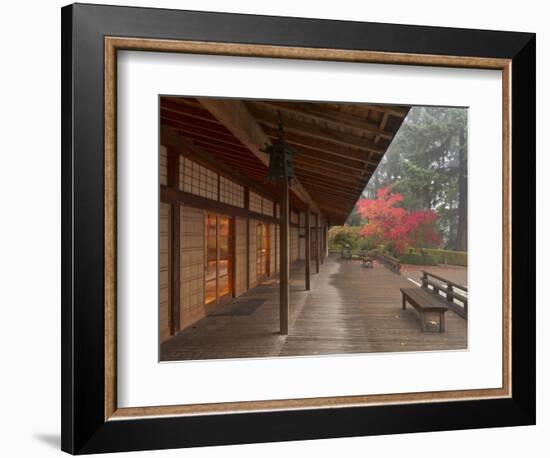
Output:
x,y
214,178
348,310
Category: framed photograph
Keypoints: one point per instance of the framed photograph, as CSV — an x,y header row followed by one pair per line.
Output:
x,y
281,228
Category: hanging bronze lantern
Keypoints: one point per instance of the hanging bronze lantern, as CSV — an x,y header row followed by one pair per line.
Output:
x,y
281,157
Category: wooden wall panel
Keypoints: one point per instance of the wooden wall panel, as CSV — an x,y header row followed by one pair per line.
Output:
x,y
191,266
163,165
252,253
164,272
240,256
272,249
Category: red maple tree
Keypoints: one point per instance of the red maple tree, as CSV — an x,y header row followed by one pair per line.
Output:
x,y
399,228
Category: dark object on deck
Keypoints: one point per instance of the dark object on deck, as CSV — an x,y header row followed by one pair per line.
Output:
x,y
367,261
438,283
391,263
426,304
241,307
346,252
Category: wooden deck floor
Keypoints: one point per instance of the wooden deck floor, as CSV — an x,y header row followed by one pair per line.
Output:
x,y
349,309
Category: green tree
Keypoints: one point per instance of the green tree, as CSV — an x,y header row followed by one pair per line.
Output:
x,y
427,164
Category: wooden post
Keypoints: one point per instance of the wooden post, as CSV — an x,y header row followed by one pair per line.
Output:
x,y
322,241
247,207
175,269
325,247
173,182
233,243
283,260
317,246
307,250
424,279
450,292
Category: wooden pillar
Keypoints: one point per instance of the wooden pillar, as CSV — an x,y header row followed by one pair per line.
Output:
x,y
326,239
283,260
173,182
322,241
317,244
247,207
307,247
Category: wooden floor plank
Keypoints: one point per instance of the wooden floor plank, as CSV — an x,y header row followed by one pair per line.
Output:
x,y
350,309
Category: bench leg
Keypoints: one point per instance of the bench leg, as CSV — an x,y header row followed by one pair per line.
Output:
x,y
441,321
403,300
422,322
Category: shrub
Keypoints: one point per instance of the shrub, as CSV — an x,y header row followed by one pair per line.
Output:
x,y
340,236
418,259
365,243
456,258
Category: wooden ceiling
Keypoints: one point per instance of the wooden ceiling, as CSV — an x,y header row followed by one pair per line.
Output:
x,y
338,145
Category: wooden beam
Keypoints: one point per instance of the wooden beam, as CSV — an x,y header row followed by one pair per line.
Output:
x,y
335,207
307,255
242,154
190,124
196,134
197,112
343,150
328,172
314,131
284,260
336,165
235,117
319,188
383,123
390,109
170,195
328,116
337,182
340,213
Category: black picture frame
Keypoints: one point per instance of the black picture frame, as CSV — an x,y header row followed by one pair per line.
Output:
x,y
84,429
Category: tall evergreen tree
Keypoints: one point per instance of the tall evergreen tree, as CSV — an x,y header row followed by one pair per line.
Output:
x,y
427,164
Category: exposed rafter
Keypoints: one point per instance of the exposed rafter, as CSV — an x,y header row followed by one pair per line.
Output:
x,y
332,117
314,131
338,146
234,115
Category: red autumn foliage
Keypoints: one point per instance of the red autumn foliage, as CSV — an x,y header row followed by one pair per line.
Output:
x,y
395,226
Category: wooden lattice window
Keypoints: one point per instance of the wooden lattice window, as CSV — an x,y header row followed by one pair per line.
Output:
x,y
197,179
255,202
267,207
163,165
231,193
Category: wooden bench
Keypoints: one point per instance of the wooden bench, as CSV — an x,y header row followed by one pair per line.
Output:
x,y
426,304
435,284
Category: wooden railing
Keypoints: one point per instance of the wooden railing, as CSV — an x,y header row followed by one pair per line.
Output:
x,y
391,263
435,283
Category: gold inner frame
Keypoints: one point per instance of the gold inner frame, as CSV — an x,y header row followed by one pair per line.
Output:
x,y
112,45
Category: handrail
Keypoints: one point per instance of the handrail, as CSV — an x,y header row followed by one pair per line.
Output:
x,y
444,280
394,263
450,293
